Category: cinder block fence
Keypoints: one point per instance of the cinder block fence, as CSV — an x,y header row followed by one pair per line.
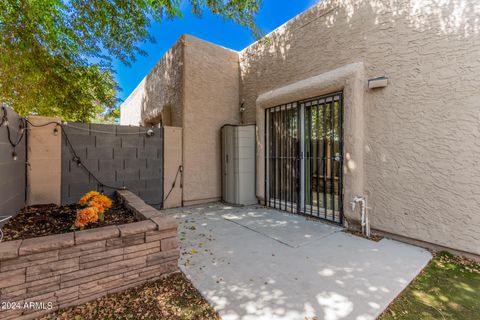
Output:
x,y
57,163
118,156
44,274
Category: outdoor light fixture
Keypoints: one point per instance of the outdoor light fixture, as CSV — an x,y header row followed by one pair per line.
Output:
x,y
380,82
242,108
150,133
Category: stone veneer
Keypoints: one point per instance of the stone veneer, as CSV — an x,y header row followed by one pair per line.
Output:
x,y
73,268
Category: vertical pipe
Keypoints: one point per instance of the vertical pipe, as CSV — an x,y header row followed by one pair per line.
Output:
x,y
340,177
280,157
282,151
267,158
332,150
293,155
274,141
297,160
310,131
324,138
284,139
308,154
317,119
285,153
289,163
305,159
301,168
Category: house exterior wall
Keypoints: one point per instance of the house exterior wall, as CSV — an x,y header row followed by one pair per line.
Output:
x,y
159,95
195,87
211,100
420,132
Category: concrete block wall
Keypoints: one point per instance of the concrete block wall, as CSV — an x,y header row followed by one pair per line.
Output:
x,y
118,156
12,172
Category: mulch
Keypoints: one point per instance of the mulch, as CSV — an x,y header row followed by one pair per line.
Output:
x,y
45,220
172,297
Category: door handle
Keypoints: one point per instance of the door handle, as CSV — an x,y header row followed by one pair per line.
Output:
x,y
337,157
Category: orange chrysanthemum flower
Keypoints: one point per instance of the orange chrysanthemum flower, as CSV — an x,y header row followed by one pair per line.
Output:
x,y
96,204
100,208
88,196
97,200
86,216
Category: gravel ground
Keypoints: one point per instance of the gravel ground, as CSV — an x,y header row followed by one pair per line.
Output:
x,y
170,298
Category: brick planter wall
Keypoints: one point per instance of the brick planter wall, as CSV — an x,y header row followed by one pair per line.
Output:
x,y
73,268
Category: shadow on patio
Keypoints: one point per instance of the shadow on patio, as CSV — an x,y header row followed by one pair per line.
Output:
x,y
258,263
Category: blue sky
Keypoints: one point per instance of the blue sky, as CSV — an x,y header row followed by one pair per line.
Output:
x,y
209,27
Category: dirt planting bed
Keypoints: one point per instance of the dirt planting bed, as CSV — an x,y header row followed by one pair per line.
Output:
x,y
45,220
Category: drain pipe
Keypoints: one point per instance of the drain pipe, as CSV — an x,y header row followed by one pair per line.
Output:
x,y
365,223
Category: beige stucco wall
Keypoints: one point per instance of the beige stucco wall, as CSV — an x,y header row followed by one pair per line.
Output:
x,y
158,97
172,160
44,162
421,131
196,86
211,99
130,110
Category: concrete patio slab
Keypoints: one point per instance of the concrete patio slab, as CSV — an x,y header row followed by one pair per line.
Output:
x,y
282,226
247,270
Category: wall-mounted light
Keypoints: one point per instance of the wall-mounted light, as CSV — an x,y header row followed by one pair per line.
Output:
x,y
242,110
242,107
380,82
150,133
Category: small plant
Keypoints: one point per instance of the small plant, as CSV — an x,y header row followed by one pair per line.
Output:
x,y
95,204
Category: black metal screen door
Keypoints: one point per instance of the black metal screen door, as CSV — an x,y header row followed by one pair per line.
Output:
x,y
282,158
304,157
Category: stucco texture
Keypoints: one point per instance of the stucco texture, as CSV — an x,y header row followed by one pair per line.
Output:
x,y
44,162
195,87
172,161
421,132
211,100
158,97
12,172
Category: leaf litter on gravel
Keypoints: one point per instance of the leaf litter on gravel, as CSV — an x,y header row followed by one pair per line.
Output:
x,y
172,297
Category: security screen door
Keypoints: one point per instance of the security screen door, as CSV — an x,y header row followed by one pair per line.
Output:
x,y
304,157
